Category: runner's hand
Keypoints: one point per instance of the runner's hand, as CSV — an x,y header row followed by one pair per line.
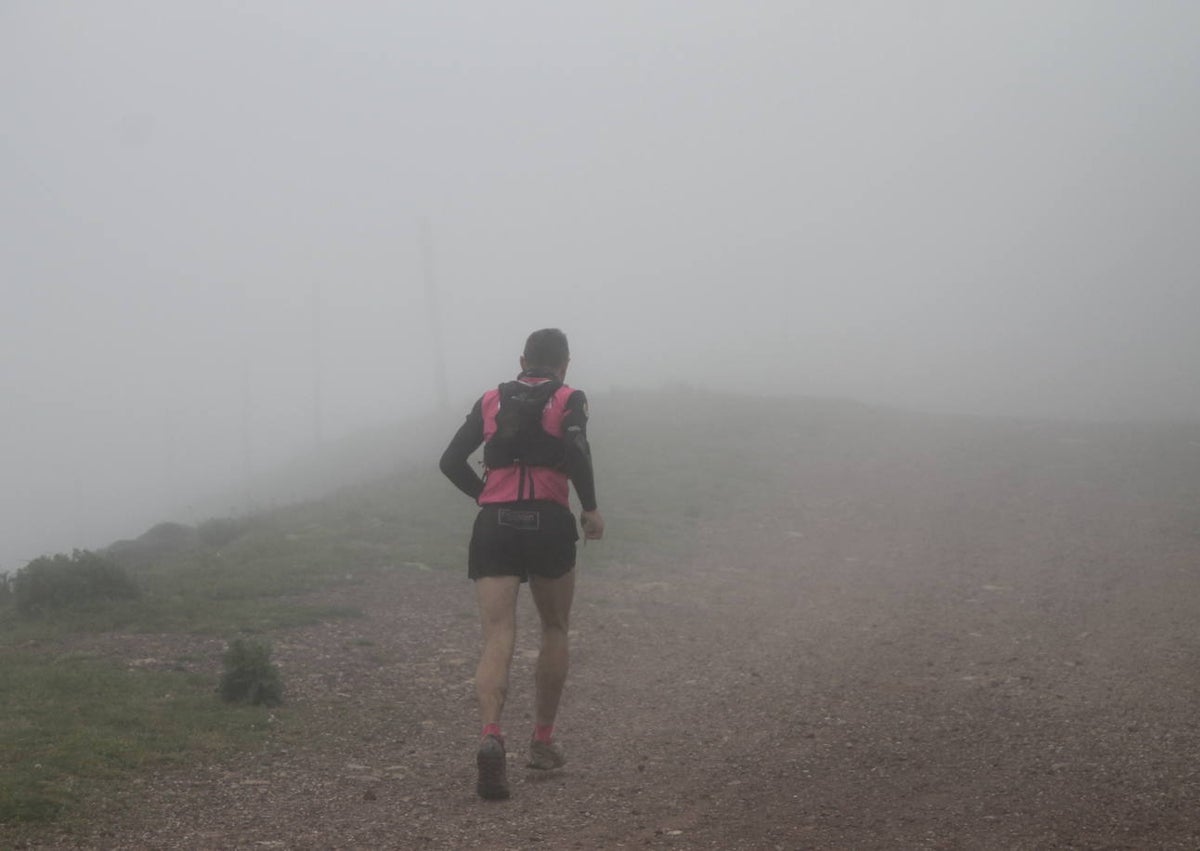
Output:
x,y
593,525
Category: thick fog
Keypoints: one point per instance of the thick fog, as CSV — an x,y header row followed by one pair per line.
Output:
x,y
212,248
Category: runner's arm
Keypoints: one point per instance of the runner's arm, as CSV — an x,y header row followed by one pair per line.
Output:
x,y
579,453
454,460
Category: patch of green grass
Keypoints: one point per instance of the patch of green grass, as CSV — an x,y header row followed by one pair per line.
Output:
x,y
176,613
73,726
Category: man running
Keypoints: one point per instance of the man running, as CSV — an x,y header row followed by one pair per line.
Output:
x,y
534,431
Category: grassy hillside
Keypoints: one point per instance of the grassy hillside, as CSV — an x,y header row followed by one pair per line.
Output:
x,y
669,464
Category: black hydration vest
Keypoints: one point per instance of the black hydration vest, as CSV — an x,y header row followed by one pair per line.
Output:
x,y
519,437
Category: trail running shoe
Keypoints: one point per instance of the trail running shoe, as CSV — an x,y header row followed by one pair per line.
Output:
x,y
493,769
545,756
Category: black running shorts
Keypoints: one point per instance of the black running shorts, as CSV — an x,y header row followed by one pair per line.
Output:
x,y
532,538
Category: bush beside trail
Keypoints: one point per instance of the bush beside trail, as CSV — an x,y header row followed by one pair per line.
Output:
x,y
61,581
249,676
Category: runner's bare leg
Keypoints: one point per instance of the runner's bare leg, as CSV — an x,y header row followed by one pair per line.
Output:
x,y
497,596
553,599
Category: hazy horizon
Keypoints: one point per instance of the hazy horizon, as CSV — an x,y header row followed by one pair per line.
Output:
x,y
210,218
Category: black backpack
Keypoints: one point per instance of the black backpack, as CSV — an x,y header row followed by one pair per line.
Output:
x,y
519,437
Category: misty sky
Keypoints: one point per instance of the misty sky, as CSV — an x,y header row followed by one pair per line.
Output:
x,y
989,208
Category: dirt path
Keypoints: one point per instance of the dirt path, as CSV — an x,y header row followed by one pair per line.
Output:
x,y
913,649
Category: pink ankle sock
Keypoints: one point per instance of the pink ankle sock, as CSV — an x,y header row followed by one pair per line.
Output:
x,y
491,730
543,732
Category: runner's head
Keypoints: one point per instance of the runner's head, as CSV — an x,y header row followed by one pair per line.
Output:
x,y
547,349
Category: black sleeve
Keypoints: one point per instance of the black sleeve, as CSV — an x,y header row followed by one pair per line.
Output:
x,y
465,441
579,454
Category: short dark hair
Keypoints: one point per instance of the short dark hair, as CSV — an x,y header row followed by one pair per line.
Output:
x,y
547,348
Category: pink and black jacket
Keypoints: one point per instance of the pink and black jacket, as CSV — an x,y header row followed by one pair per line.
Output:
x,y
564,420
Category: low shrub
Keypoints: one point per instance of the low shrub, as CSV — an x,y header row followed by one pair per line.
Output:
x,y
249,675
62,581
